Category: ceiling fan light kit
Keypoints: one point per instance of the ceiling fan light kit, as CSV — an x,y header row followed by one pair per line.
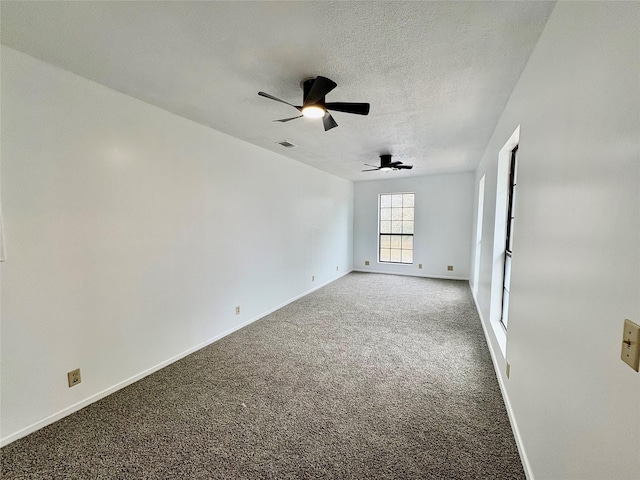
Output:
x,y
313,111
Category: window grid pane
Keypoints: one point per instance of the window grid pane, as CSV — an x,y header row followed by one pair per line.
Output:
x,y
396,213
407,214
385,201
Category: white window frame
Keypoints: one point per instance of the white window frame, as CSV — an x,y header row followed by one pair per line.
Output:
x,y
400,234
508,247
499,238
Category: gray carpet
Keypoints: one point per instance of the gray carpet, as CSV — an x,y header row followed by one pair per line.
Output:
x,y
371,377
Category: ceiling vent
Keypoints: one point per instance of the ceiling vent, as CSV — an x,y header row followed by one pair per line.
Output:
x,y
286,144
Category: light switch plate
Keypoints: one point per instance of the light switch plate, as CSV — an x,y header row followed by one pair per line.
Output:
x,y
631,344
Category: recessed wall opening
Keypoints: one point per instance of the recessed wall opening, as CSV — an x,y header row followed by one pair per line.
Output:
x,y
478,249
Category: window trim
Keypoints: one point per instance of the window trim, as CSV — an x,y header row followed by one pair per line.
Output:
x,y
380,234
508,242
497,244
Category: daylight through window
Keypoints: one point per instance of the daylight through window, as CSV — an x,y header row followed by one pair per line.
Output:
x,y
396,227
508,251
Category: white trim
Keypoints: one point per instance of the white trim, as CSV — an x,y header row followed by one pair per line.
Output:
x,y
478,243
413,250
512,419
94,398
499,236
501,336
408,274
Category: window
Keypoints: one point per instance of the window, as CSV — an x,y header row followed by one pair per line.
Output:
x,y
395,227
508,250
503,193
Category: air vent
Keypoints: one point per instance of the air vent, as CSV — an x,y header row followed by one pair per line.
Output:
x,y
286,144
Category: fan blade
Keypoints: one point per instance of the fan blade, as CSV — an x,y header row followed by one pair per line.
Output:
x,y
346,107
321,86
262,94
371,169
369,165
288,119
328,122
408,167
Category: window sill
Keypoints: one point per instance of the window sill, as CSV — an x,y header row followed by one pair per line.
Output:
x,y
395,263
501,336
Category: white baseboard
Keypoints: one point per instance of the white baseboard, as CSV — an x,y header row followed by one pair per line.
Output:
x,y
411,274
514,424
94,398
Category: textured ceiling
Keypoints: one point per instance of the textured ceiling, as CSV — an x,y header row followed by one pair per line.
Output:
x,y
437,74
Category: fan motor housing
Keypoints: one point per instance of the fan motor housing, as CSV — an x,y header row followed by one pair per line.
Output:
x,y
385,160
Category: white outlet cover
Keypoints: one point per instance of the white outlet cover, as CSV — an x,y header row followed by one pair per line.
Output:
x,y
631,345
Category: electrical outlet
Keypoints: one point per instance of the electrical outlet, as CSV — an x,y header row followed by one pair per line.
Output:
x,y
631,344
238,310
74,378
508,369
336,268
313,278
366,262
450,268
419,265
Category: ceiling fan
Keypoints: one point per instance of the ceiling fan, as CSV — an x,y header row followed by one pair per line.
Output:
x,y
386,165
314,106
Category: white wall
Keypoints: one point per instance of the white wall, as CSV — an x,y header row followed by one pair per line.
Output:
x,y
576,263
132,234
443,221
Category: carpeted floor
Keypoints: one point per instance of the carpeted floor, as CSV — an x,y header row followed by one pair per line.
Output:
x,y
371,377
